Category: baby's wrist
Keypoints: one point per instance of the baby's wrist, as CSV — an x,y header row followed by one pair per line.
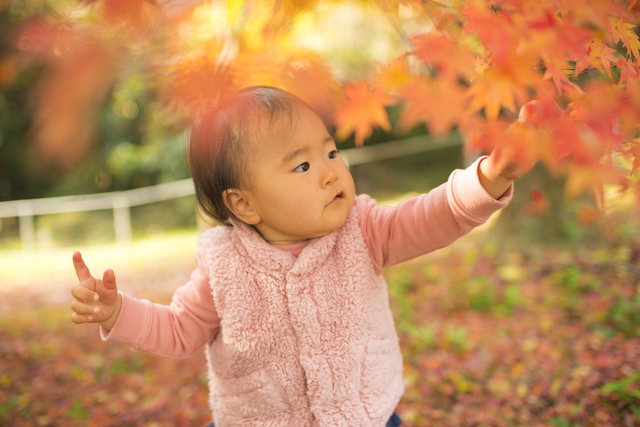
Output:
x,y
495,184
111,321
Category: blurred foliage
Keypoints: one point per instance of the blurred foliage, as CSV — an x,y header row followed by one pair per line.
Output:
x,y
139,140
135,146
162,68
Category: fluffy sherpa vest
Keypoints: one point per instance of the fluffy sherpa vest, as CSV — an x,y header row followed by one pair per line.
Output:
x,y
303,341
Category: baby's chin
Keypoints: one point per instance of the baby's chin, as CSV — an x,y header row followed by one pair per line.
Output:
x,y
330,228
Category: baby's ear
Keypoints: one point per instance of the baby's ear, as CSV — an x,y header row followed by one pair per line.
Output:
x,y
239,203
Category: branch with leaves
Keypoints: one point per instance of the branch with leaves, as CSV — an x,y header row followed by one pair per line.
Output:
x,y
469,66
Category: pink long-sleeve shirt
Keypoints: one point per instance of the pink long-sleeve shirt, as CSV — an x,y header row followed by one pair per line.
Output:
x,y
395,234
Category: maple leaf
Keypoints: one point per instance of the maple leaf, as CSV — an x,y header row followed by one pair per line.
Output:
x,y
362,111
601,57
304,74
592,178
623,31
581,179
439,51
480,65
491,92
199,81
635,152
496,31
63,122
37,38
555,70
439,103
629,70
394,77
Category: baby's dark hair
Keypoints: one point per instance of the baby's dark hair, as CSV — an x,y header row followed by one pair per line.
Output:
x,y
218,149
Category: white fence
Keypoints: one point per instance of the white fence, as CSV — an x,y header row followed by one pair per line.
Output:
x,y
121,201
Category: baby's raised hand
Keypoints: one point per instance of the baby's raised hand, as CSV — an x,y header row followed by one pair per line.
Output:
x,y
515,155
94,300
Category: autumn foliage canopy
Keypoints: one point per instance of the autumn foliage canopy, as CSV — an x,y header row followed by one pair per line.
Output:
x,y
470,66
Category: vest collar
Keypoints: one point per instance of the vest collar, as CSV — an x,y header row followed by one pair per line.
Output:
x,y
272,258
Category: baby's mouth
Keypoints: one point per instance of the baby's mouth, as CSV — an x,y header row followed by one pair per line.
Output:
x,y
338,196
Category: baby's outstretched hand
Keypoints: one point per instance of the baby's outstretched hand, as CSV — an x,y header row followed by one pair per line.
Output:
x,y
513,158
94,300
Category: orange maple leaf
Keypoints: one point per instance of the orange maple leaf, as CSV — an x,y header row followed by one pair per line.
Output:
x,y
635,152
64,124
363,109
448,58
394,76
491,92
556,72
600,57
624,31
198,81
303,73
439,103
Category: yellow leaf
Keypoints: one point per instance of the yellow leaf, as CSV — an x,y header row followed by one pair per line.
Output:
x,y
624,31
601,56
492,92
394,76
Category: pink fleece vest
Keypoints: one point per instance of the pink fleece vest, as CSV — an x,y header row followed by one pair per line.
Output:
x,y
302,341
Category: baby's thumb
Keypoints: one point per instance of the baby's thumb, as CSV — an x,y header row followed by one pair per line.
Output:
x,y
109,280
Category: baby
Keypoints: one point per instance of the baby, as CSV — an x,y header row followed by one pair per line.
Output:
x,y
288,297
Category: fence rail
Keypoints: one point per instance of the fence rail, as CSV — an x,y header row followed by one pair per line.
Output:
x,y
121,201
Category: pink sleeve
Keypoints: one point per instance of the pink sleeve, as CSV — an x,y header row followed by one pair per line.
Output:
x,y
175,331
427,222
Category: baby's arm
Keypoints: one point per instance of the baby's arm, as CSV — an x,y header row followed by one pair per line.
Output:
x,y
427,222
177,330
434,220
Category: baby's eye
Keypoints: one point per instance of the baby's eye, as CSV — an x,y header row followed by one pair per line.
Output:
x,y
303,167
333,154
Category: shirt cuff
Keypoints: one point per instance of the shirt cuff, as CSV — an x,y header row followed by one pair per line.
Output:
x,y
132,326
469,198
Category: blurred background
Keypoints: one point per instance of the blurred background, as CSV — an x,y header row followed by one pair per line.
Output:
x,y
533,319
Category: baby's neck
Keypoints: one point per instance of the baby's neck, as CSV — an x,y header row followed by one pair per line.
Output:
x,y
284,243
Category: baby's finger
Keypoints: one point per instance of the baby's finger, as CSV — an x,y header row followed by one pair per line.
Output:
x,y
82,271
81,318
84,294
80,307
109,279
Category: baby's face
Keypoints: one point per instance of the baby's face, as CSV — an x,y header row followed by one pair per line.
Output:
x,y
300,187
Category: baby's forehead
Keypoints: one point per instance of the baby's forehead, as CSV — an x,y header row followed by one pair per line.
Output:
x,y
275,130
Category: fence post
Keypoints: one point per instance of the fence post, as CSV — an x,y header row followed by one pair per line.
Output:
x,y
122,219
27,229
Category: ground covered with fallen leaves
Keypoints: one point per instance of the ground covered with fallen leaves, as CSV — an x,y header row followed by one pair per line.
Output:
x,y
489,339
